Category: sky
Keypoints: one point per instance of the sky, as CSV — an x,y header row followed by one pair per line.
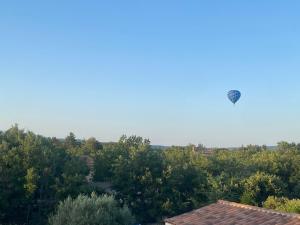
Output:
x,y
157,69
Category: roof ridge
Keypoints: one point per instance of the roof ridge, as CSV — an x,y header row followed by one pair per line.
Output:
x,y
259,209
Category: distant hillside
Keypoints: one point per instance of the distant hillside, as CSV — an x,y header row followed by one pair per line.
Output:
x,y
163,147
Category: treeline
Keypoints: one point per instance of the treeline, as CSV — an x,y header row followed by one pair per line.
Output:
x,y
36,173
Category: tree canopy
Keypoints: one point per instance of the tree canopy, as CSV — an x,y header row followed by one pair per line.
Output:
x,y
92,210
39,174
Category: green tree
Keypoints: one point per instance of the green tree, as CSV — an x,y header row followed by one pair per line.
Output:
x,y
282,204
70,141
35,173
158,183
258,187
12,176
73,178
93,210
137,173
92,147
185,183
31,180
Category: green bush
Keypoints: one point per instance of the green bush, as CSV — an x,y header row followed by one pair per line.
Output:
x,y
93,210
283,204
259,186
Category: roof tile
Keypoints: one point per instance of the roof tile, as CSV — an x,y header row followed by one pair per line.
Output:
x,y
231,213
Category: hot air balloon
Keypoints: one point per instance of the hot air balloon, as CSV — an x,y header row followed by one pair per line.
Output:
x,y
234,96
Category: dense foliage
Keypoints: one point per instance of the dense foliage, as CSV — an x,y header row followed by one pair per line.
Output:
x,y
283,204
36,173
93,210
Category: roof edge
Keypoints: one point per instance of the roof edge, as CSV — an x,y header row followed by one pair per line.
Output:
x,y
259,209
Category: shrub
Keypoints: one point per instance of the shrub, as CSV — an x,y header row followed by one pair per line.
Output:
x,y
283,204
93,210
259,186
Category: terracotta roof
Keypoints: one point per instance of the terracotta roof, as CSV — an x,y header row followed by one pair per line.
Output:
x,y
225,213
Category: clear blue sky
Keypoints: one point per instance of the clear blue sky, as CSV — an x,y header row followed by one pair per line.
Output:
x,y
158,69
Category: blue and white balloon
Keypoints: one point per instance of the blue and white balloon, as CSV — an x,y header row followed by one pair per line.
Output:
x,y
234,95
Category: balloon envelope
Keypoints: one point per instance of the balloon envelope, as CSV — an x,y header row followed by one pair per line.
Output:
x,y
234,96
